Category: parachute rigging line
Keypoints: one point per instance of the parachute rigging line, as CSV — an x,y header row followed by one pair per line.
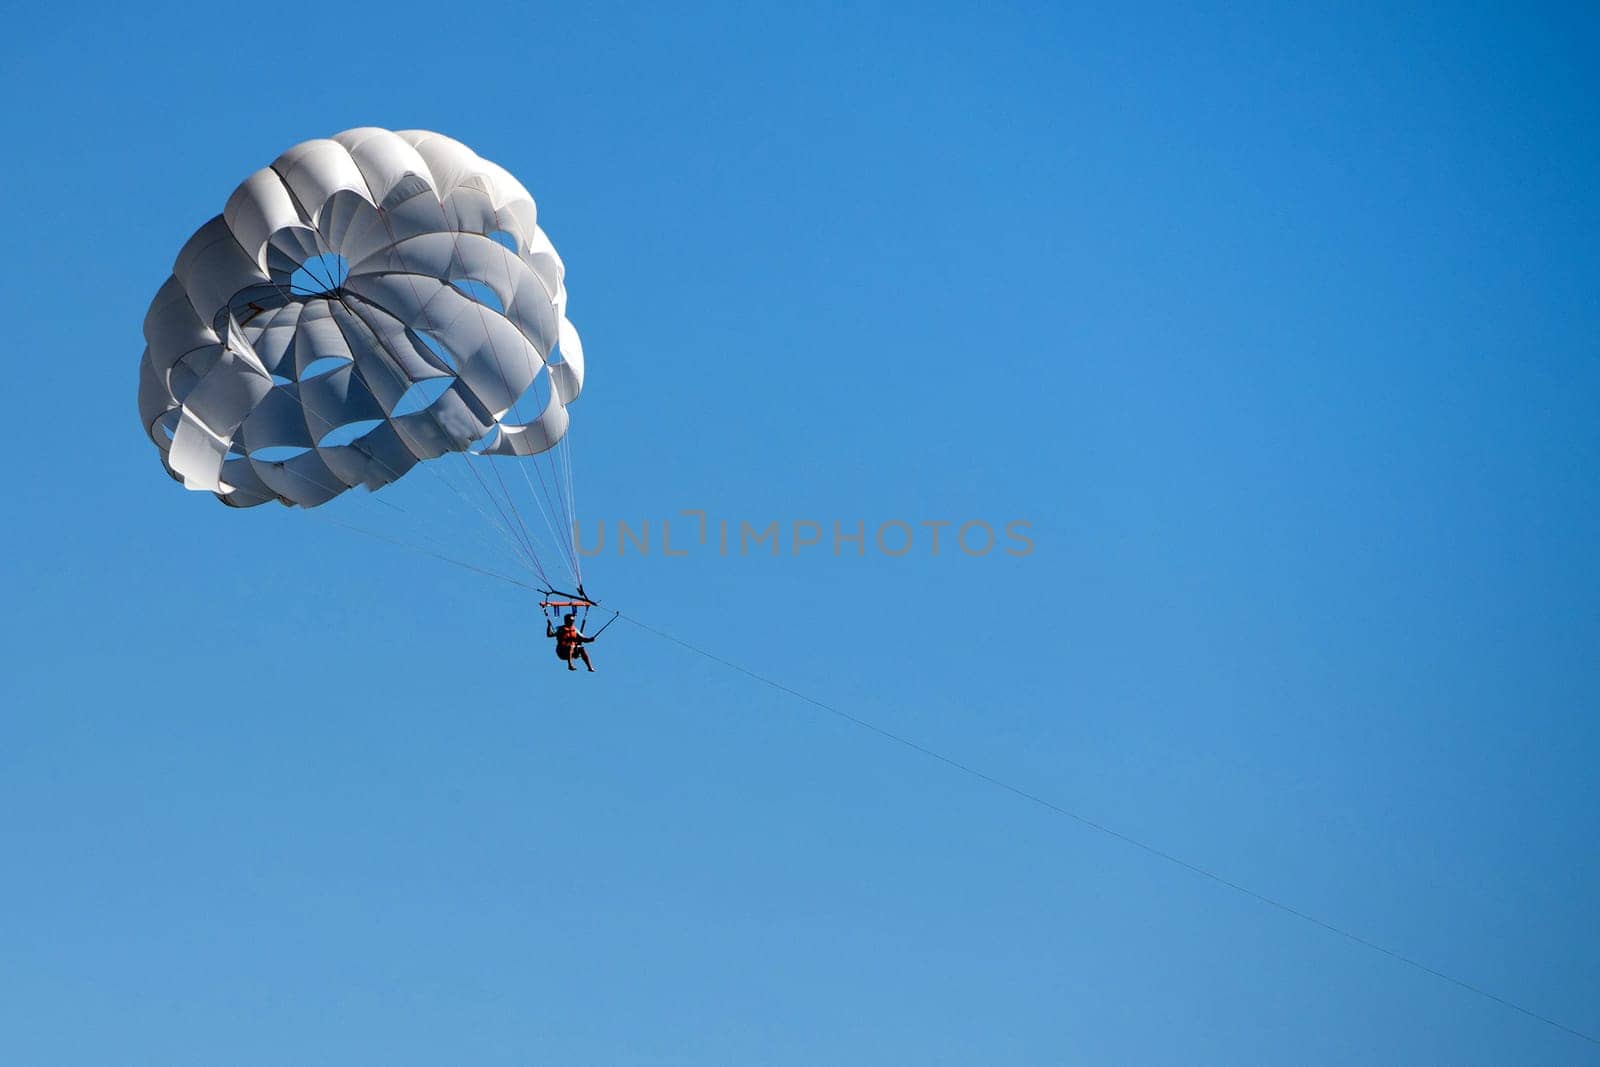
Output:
x,y
1126,839
524,550
429,552
1044,803
514,523
524,547
561,447
516,400
455,258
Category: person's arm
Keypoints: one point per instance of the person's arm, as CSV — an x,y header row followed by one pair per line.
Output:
x,y
549,631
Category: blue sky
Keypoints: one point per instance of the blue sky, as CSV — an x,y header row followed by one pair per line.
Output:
x,y
1277,326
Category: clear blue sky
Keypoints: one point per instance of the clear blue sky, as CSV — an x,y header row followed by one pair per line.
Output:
x,y
1279,326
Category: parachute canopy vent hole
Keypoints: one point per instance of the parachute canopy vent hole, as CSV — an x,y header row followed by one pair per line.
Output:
x,y
320,275
422,395
349,433
479,292
326,365
533,400
433,345
277,453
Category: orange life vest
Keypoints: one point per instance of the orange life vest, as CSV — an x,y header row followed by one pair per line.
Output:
x,y
566,640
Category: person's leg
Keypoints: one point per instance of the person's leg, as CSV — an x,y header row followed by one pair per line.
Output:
x,y
584,652
568,658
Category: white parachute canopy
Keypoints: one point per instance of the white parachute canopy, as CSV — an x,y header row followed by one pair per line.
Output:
x,y
367,302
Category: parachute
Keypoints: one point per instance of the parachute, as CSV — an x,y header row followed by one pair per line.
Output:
x,y
365,305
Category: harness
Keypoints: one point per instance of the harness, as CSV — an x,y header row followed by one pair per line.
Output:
x,y
569,637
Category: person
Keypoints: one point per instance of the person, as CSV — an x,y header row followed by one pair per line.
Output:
x,y
569,641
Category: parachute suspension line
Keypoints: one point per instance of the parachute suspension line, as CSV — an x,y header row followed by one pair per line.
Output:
x,y
522,546
549,509
525,546
544,512
516,399
511,499
573,496
565,459
526,556
512,504
527,543
393,506
547,504
525,540
407,544
511,526
553,517
525,553
1127,839
457,262
520,552
547,512
440,470
427,552
529,556
443,545
396,541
